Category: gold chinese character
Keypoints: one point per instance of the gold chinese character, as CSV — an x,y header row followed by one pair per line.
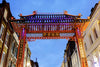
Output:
x,y
53,34
44,34
48,34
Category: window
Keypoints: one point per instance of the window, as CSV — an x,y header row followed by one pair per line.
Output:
x,y
2,30
12,45
5,14
10,63
85,46
13,65
95,33
2,59
96,61
99,24
91,41
15,53
13,48
28,55
7,37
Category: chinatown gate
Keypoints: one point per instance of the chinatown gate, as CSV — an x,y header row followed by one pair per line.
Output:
x,y
50,26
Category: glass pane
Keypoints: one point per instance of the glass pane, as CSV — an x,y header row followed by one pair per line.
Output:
x,y
10,63
95,33
7,37
2,59
2,30
12,47
91,40
15,53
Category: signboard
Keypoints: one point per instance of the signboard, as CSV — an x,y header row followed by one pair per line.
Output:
x,y
81,48
21,49
51,34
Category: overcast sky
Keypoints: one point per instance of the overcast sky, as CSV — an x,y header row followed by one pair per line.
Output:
x,y
50,52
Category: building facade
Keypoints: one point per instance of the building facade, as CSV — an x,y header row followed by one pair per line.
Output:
x,y
9,40
75,58
6,31
65,59
92,38
68,60
62,65
71,56
69,51
34,64
27,56
13,49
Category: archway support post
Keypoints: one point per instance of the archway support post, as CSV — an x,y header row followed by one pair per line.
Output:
x,y
80,47
21,47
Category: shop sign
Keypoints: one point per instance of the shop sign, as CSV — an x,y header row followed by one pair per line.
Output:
x,y
21,49
81,48
51,34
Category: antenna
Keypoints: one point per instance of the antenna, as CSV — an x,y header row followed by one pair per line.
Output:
x,y
36,59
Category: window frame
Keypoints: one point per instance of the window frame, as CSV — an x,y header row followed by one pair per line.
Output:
x,y
95,33
91,40
2,32
7,38
85,46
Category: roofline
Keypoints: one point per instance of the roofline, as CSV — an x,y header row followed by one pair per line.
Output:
x,y
47,14
35,13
